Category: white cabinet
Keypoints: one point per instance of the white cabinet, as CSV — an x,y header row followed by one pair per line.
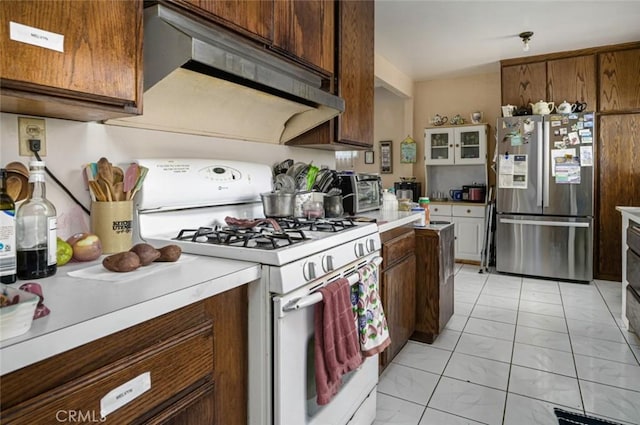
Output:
x,y
469,227
463,144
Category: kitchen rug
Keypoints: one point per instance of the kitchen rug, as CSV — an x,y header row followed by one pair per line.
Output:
x,y
571,418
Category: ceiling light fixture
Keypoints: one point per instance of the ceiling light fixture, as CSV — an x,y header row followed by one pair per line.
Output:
x,y
526,37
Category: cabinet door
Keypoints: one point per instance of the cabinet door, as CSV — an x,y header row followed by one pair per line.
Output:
x,y
399,303
439,146
618,184
254,17
355,71
524,84
97,75
572,79
470,145
620,80
469,235
304,29
353,129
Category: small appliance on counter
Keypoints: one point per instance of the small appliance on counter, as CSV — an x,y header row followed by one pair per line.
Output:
x,y
474,193
404,187
360,192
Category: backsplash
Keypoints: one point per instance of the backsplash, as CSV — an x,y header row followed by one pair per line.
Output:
x,y
70,144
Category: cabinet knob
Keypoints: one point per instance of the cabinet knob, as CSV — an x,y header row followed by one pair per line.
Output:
x,y
468,211
457,145
450,146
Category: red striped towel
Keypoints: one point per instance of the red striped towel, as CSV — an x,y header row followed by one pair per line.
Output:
x,y
337,350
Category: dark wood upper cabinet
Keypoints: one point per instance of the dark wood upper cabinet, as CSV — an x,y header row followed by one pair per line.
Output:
x,y
305,30
354,75
302,30
253,17
572,79
98,75
620,80
524,84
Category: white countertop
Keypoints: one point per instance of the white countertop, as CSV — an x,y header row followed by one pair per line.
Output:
x,y
631,211
85,309
388,220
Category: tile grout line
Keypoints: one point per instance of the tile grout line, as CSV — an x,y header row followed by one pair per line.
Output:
x,y
513,349
573,353
454,347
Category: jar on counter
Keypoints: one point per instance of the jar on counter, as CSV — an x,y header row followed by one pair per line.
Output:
x,y
424,204
421,222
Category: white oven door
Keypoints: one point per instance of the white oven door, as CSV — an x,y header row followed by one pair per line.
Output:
x,y
294,391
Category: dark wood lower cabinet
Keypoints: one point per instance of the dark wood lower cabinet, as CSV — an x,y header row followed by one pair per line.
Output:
x,y
398,288
434,282
195,359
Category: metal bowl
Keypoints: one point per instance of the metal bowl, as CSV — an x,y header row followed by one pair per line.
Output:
x,y
277,204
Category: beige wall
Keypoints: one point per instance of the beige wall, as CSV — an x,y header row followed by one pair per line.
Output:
x,y
390,123
451,97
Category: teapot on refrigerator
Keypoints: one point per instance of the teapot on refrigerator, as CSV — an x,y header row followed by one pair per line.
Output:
x,y
579,106
542,108
565,108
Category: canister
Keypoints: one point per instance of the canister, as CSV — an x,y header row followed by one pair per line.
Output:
x,y
421,222
424,204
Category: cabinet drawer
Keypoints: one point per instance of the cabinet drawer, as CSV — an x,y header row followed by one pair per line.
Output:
x,y
633,309
173,365
436,209
398,248
468,211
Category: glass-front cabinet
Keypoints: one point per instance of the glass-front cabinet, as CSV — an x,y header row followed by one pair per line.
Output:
x,y
464,144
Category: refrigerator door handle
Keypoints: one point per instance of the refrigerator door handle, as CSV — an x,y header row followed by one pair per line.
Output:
x,y
544,223
540,161
547,164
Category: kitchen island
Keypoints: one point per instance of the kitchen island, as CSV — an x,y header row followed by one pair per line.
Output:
x,y
628,213
167,345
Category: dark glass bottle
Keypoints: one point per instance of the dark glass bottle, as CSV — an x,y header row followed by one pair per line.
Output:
x,y
7,233
36,225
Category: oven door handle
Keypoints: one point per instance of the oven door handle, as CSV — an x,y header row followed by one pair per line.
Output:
x,y
316,297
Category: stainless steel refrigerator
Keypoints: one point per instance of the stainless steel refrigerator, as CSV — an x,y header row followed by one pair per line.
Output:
x,y
544,198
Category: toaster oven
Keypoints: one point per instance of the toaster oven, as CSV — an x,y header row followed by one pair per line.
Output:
x,y
360,192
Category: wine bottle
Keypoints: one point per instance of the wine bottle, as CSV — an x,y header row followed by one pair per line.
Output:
x,y
7,233
36,225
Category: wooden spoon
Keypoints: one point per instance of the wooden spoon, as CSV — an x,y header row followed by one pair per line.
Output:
x,y
105,170
118,192
106,188
97,191
118,175
14,187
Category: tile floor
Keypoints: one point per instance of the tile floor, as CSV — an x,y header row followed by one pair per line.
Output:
x,y
515,348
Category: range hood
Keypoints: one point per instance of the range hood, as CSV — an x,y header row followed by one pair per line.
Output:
x,y
200,79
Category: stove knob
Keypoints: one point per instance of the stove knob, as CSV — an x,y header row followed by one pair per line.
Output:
x,y
309,270
371,245
327,263
359,248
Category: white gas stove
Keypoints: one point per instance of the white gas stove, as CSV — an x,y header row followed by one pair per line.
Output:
x,y
189,202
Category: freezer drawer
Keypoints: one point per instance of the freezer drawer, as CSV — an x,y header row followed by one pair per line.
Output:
x,y
552,247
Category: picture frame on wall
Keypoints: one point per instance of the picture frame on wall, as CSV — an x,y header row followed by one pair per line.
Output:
x,y
386,157
368,157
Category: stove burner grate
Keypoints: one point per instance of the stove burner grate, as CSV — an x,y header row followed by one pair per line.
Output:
x,y
258,237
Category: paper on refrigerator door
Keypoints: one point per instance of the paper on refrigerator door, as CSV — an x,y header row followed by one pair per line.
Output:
x,y
513,172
